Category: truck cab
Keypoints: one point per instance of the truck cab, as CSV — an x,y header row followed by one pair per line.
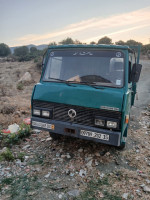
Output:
x,y
86,91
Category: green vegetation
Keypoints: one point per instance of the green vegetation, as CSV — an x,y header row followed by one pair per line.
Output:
x,y
94,188
20,186
38,159
14,138
20,86
67,41
23,53
105,40
21,156
4,50
6,155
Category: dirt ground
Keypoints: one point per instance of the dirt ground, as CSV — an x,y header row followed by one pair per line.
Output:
x,y
72,168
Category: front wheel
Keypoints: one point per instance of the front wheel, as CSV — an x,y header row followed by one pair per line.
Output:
x,y
55,136
122,146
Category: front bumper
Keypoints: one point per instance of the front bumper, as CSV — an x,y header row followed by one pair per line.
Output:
x,y
60,127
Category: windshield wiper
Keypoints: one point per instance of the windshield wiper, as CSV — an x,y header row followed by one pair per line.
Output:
x,y
63,81
92,84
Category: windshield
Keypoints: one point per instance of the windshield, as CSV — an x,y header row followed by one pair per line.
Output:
x,y
97,67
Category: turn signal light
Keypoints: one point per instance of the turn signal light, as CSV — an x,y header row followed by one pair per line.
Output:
x,y
127,119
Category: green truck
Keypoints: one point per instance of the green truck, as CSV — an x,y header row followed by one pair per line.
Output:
x,y
86,91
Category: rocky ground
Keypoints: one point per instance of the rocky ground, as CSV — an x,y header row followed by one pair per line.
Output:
x,y
42,168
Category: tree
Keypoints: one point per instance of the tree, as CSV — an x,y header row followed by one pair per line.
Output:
x,y
105,40
67,41
4,50
52,44
92,42
21,51
120,42
77,42
133,42
146,49
33,50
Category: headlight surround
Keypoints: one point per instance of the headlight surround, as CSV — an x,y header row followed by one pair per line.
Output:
x,y
99,122
45,113
36,112
105,122
111,124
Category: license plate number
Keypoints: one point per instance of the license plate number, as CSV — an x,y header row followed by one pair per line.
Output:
x,y
43,125
96,135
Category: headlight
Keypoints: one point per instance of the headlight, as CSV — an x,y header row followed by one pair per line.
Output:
x,y
45,113
99,122
36,112
111,124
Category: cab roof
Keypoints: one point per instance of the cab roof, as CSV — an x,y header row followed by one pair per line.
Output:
x,y
100,46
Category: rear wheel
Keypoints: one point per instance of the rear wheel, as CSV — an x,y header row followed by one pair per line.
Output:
x,y
55,136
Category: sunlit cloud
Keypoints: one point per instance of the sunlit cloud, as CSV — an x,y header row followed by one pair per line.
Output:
x,y
116,32
109,26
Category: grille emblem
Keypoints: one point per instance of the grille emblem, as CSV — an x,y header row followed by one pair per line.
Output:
x,y
72,113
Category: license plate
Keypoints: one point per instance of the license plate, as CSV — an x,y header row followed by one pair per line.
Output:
x,y
43,125
92,134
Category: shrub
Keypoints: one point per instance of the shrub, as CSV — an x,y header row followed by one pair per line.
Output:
x,y
20,86
4,50
7,155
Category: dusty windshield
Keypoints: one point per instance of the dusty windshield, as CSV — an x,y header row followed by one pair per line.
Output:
x,y
97,67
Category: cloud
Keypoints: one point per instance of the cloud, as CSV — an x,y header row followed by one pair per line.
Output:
x,y
97,27
116,32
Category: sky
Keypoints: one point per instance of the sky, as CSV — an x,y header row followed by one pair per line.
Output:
x,y
24,22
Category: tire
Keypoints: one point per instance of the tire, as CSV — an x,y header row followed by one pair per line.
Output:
x,y
55,136
122,146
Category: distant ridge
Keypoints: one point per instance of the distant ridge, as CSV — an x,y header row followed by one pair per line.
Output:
x,y
39,47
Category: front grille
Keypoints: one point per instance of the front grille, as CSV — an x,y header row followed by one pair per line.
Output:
x,y
84,115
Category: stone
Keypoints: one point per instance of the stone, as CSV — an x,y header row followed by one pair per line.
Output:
x,y
3,150
144,175
73,193
60,196
100,195
146,188
148,181
25,78
31,193
36,131
18,161
89,164
57,154
47,175
80,150
107,154
67,171
68,156
125,195
26,146
82,173
102,175
71,174
48,139
26,158
97,154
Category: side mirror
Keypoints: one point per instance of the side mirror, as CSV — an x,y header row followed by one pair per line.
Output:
x,y
135,73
